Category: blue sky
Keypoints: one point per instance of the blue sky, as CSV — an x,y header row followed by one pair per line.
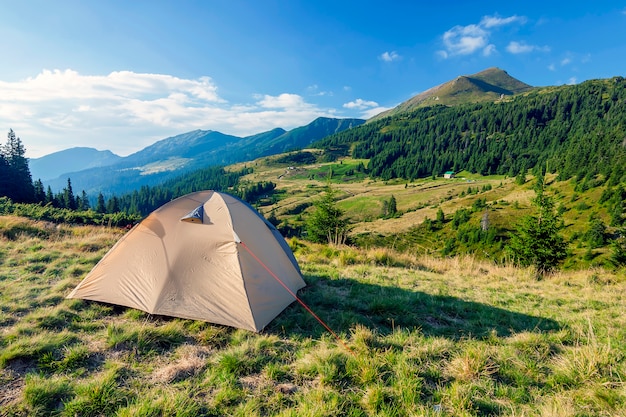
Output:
x,y
119,75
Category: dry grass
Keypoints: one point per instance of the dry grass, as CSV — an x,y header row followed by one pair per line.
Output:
x,y
427,336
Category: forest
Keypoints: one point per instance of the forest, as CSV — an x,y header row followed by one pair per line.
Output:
x,y
575,131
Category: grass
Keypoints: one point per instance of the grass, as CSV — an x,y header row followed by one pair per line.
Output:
x,y
426,336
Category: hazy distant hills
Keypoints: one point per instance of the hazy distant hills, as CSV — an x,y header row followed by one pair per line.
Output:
x,y
491,84
102,171
69,160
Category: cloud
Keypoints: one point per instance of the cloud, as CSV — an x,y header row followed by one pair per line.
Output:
x,y
466,40
360,104
566,61
495,21
389,56
515,47
314,90
367,108
489,50
572,81
125,111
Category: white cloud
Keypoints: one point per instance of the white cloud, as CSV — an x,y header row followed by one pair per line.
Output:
x,y
552,67
466,40
389,56
314,90
282,101
489,50
572,81
369,113
515,47
360,104
495,21
566,61
126,111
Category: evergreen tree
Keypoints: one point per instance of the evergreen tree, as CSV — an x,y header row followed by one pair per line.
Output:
x,y
50,197
84,202
326,224
441,217
113,205
5,176
393,209
100,205
536,240
69,201
40,193
618,250
19,180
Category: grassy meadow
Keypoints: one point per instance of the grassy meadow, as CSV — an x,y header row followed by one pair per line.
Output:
x,y
420,336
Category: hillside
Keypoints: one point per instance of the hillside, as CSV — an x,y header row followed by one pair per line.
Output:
x,y
570,130
425,337
490,85
588,208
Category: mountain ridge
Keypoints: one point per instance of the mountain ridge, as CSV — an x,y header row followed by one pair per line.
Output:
x,y
491,84
186,152
78,158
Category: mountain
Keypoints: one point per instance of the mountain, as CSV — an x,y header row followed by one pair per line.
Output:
x,y
491,85
300,137
572,130
70,160
173,156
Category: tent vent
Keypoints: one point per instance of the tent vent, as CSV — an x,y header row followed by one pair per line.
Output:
x,y
196,216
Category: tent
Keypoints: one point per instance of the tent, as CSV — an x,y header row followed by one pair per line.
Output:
x,y
204,256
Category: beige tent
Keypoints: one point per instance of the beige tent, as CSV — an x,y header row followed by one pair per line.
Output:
x,y
205,256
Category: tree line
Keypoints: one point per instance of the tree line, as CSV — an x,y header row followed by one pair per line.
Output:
x,y
17,185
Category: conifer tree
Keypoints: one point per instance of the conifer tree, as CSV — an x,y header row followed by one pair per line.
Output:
x,y
327,223
536,241
100,205
19,182
69,201
40,194
84,202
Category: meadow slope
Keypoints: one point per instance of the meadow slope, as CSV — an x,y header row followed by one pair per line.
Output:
x,y
425,336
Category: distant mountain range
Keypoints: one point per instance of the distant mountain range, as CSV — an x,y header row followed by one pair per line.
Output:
x,y
70,160
102,171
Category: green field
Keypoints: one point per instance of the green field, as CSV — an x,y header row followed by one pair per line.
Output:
x,y
423,335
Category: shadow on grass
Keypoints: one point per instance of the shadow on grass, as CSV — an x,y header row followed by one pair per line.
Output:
x,y
345,303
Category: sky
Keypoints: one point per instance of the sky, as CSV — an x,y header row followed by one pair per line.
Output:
x,y
121,75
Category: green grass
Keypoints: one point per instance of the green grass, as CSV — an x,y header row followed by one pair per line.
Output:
x,y
425,336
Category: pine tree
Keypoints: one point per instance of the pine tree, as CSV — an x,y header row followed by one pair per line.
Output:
x,y
113,205
84,202
50,197
393,209
536,241
100,205
20,182
326,224
69,201
40,193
